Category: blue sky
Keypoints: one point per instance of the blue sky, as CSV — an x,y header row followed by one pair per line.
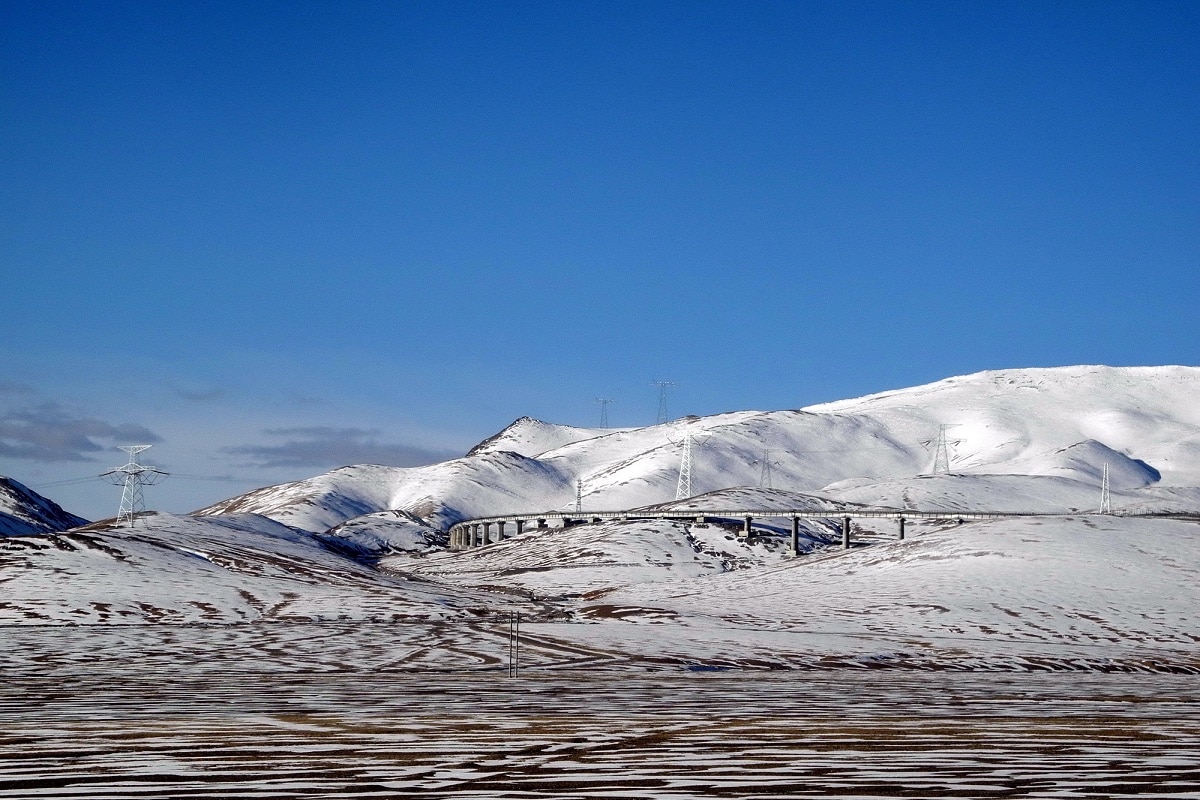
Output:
x,y
274,238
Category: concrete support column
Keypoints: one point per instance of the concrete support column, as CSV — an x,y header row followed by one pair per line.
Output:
x,y
795,536
520,527
500,531
487,533
845,533
902,527
746,526
541,523
456,538
477,535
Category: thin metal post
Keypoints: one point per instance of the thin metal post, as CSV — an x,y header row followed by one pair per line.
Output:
x,y
514,644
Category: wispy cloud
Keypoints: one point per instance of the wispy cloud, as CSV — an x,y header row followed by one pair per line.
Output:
x,y
50,432
198,395
323,446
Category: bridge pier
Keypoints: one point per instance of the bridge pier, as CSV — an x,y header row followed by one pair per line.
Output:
x,y
746,526
902,528
520,527
500,531
795,536
845,533
541,522
477,536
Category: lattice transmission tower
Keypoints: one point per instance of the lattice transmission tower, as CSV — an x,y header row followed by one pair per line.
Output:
x,y
134,476
764,475
663,388
1105,493
683,488
604,402
941,447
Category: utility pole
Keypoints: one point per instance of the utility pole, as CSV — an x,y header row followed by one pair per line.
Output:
x,y
133,476
514,644
663,388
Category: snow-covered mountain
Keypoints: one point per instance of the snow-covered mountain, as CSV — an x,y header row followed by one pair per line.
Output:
x,y
1020,440
24,511
181,569
366,543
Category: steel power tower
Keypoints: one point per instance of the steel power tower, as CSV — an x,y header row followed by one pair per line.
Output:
x,y
134,476
663,388
1105,493
764,477
604,402
683,489
941,450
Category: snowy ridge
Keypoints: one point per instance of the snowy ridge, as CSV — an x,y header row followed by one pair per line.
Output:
x,y
24,511
1022,440
366,543
532,437
179,569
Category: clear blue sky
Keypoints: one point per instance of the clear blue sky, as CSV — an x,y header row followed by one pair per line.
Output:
x,y
278,237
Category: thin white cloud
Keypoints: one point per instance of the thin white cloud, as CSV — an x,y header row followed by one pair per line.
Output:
x,y
49,432
325,446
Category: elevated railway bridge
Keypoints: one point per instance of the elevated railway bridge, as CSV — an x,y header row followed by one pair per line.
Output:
x,y
483,531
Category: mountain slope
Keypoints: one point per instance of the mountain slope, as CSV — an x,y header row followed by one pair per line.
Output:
x,y
180,569
1028,440
24,511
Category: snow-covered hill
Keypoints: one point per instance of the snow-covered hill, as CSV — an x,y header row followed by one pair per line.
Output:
x,y
24,511
1021,440
180,569
1077,592
367,542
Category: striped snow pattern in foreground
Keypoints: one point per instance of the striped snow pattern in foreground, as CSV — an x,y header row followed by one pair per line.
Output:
x,y
598,734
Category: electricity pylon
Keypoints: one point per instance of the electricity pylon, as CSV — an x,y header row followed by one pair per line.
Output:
x,y
663,388
683,489
1105,493
941,450
134,476
764,476
604,404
